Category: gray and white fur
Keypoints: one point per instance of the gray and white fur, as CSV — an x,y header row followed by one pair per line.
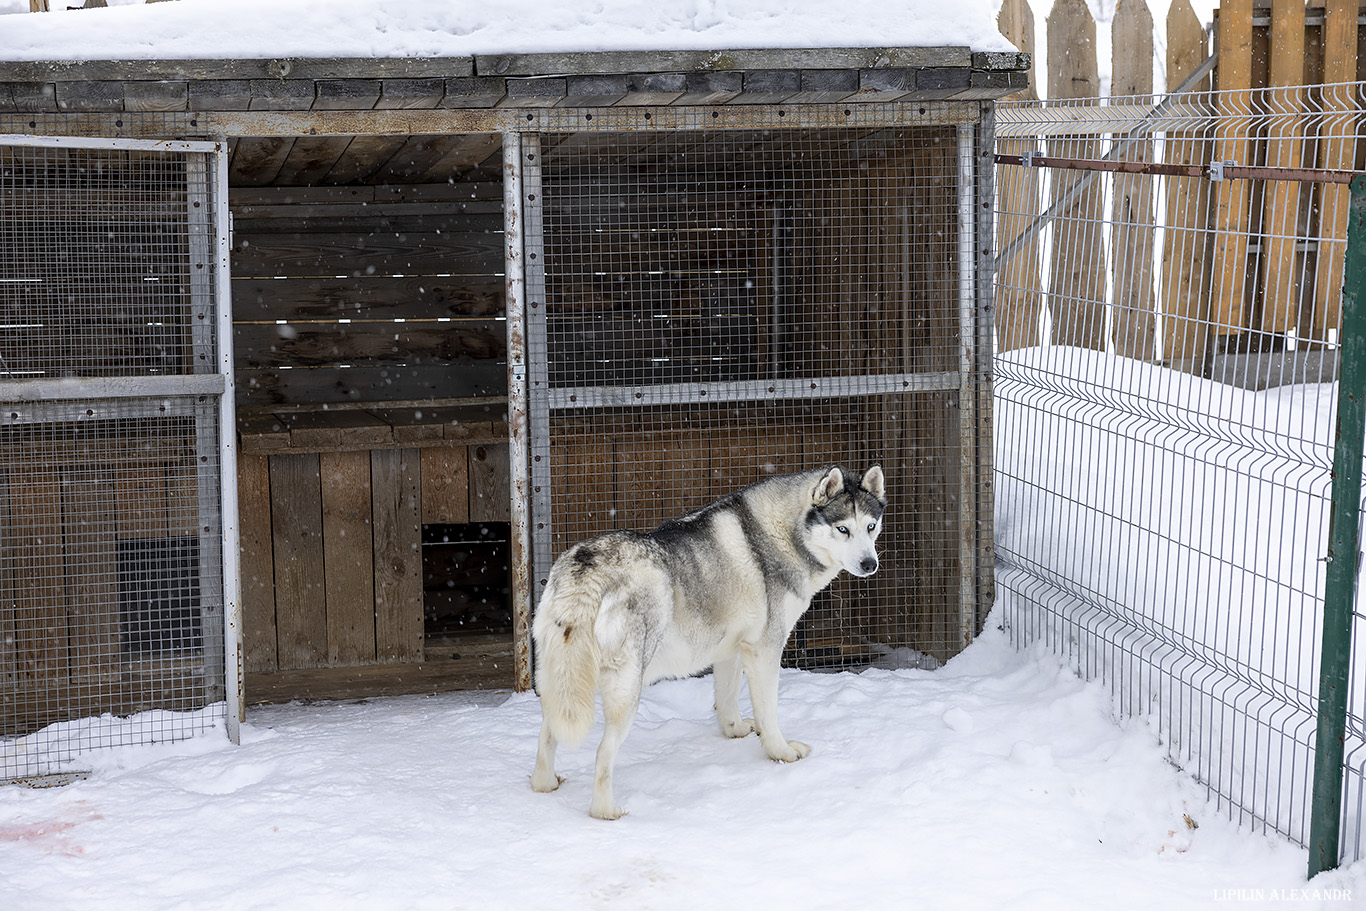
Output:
x,y
721,587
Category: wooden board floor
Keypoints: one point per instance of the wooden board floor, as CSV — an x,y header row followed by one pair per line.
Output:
x,y
474,661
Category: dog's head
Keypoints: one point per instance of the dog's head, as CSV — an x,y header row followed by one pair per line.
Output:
x,y
846,517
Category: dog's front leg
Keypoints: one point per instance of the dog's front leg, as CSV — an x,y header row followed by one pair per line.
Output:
x,y
761,667
726,677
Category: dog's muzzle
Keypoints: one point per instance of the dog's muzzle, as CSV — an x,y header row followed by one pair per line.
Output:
x,y
867,566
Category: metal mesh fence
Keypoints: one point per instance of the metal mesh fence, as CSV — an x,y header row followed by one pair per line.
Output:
x,y
1165,354
111,551
117,306
723,306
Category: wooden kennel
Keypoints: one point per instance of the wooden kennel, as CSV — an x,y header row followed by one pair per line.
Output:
x,y
482,307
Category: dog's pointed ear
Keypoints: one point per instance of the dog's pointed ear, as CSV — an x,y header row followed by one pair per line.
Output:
x,y
875,483
828,487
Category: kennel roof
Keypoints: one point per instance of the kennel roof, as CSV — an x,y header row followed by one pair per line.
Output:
x,y
440,79
267,55
219,29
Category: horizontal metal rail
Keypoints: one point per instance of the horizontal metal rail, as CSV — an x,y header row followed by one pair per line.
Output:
x,y
1213,171
110,387
589,397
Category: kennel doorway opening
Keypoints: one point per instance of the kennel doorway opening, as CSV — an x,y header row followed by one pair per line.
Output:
x,y
705,309
118,608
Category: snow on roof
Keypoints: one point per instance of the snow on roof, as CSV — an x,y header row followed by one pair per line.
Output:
x,y
209,29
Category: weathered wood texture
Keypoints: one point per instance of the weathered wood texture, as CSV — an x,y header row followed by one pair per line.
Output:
x,y
599,79
90,518
1019,282
332,526
1231,144
367,295
1076,281
1337,149
1185,298
1133,317
1280,221
478,662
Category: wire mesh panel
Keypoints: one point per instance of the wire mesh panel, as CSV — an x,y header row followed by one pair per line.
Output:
x,y
1166,348
112,579
720,307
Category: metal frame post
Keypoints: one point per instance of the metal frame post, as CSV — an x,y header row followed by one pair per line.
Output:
x,y
514,264
1343,552
967,387
234,689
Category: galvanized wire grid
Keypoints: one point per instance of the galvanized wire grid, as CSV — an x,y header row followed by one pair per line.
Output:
x,y
721,307
117,306
1165,352
111,569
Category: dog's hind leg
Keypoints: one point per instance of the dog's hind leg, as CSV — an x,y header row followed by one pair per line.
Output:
x,y
726,677
543,777
620,688
761,665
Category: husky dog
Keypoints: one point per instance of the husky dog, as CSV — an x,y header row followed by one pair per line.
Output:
x,y
721,587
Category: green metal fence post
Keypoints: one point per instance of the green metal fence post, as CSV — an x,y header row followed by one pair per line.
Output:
x,y
1340,587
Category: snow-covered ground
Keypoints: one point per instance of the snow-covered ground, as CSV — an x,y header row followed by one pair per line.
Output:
x,y
999,781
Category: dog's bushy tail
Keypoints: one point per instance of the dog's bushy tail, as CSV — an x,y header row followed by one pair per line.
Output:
x,y
567,657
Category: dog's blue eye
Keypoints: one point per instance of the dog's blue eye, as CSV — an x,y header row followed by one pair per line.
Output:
x,y
872,525
841,529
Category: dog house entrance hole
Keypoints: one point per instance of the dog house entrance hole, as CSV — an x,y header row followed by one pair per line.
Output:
x,y
465,582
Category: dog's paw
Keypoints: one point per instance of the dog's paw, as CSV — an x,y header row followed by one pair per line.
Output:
x,y
607,811
544,784
742,728
795,750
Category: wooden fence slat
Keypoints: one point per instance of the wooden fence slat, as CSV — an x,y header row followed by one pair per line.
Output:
x,y
348,555
1336,150
397,533
1076,284
1280,221
1185,302
1134,322
1019,295
297,535
258,563
1232,218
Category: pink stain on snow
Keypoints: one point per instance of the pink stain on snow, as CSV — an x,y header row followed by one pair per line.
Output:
x,y
49,831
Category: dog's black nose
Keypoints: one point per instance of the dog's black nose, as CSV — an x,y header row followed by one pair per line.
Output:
x,y
869,566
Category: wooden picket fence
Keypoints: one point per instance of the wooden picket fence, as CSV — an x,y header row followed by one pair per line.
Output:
x,y
1245,264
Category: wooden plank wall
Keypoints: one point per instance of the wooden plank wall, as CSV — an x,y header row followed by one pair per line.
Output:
x,y
76,504
367,294
331,546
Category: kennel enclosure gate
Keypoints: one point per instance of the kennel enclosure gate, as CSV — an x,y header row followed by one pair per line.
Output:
x,y
118,553
705,309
